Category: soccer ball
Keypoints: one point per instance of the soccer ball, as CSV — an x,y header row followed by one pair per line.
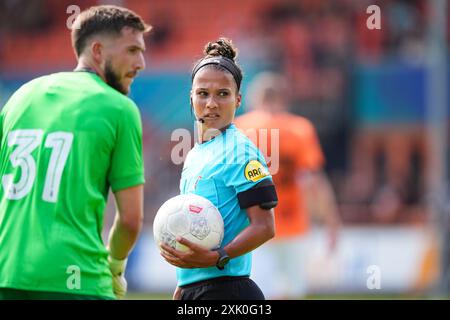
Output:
x,y
191,217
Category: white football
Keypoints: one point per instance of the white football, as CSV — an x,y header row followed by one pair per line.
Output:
x,y
189,216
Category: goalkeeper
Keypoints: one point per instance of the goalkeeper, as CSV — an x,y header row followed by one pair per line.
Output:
x,y
66,139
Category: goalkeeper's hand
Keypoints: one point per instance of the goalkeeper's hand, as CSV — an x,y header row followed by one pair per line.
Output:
x,y
117,268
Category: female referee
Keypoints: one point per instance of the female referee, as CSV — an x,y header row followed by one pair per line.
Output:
x,y
225,167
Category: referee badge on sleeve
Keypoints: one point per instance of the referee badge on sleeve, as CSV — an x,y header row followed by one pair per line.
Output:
x,y
255,171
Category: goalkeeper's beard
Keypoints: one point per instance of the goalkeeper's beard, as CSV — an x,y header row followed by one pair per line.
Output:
x,y
112,78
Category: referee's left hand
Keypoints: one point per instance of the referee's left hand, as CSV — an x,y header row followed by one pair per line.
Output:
x,y
195,257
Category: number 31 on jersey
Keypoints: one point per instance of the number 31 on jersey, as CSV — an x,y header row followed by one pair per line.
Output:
x,y
27,141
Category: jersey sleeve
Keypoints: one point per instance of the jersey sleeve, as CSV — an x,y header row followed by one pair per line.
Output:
x,y
127,166
246,171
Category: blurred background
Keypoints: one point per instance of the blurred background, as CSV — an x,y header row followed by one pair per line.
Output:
x,y
378,99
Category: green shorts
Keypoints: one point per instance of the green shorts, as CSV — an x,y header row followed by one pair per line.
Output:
x,y
15,294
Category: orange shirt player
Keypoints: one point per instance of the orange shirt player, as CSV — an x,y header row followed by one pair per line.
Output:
x,y
302,186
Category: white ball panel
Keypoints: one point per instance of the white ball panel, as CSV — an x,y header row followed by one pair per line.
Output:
x,y
192,217
178,223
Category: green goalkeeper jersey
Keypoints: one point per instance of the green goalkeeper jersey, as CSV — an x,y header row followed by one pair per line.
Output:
x,y
66,139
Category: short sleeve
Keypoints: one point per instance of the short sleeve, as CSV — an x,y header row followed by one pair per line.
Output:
x,y
127,167
244,167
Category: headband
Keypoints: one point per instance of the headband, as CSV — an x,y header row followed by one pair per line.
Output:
x,y
224,62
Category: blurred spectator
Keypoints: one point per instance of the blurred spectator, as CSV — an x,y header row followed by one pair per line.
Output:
x,y
20,16
313,42
386,179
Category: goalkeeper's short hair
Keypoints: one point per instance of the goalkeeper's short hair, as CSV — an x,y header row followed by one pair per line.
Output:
x,y
105,19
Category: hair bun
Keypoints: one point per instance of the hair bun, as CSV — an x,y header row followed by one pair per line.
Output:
x,y
222,47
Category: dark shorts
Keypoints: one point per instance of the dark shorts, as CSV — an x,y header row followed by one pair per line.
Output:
x,y
15,294
222,288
